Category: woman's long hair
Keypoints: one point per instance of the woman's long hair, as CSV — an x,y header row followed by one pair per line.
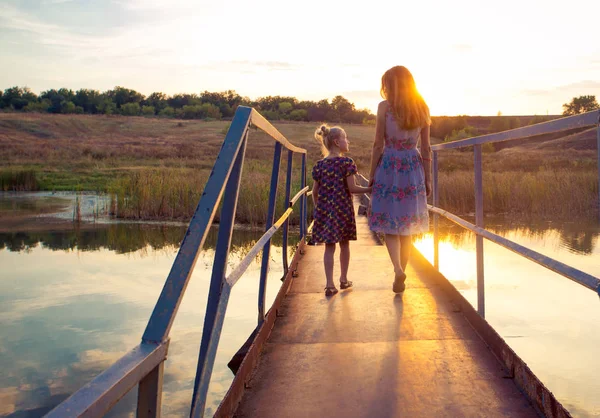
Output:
x,y
399,89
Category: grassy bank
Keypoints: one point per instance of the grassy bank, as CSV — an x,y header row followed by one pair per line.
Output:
x,y
157,168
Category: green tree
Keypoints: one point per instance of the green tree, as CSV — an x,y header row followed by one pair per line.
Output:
x,y
17,97
580,104
107,107
88,99
130,109
157,100
285,107
68,107
42,106
167,112
148,110
299,114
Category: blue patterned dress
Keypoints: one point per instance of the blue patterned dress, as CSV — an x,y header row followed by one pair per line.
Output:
x,y
399,199
334,211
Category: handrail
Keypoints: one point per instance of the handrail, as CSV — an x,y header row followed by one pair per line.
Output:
x,y
299,194
145,363
578,276
259,121
562,124
568,123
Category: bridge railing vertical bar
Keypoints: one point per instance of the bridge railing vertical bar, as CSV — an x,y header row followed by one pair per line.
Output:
x,y
150,393
303,214
216,302
598,161
436,203
264,268
479,223
288,189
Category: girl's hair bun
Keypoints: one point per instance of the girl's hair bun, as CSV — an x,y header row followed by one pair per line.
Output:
x,y
324,130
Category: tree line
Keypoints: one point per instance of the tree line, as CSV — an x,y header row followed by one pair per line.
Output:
x,y
206,105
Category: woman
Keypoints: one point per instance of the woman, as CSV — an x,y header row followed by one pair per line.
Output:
x,y
400,175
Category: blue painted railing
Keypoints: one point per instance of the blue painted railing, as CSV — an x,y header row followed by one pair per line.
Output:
x,y
588,119
145,363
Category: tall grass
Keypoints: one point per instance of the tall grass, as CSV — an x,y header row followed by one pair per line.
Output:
x,y
546,193
18,180
173,194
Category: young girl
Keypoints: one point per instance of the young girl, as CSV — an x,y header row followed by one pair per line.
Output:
x,y
334,211
400,174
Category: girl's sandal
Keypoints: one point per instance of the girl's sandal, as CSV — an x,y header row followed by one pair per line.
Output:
x,y
330,291
346,284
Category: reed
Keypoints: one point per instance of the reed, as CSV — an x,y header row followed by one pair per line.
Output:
x,y
18,180
173,194
546,193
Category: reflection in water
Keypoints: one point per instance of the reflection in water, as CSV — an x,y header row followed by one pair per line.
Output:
x,y
124,238
576,237
550,321
72,303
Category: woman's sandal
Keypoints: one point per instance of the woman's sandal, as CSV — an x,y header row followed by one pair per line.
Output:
x,y
330,291
345,284
399,285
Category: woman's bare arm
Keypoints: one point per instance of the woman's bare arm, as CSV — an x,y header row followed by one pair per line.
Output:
x,y
426,154
379,142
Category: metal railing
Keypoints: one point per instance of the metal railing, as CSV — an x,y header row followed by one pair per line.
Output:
x,y
568,123
145,363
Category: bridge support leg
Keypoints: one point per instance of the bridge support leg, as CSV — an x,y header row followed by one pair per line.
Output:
x,y
436,203
598,150
479,223
150,393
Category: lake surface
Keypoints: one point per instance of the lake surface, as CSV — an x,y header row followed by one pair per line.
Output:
x,y
73,302
552,323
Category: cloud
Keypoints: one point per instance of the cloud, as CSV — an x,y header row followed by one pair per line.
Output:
x,y
249,66
50,2
463,48
572,88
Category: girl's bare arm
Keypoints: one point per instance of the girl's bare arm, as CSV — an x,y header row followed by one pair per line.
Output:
x,y
355,188
315,192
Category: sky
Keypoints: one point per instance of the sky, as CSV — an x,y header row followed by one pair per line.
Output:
x,y
475,57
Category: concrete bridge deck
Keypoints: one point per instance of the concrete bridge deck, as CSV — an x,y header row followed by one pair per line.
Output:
x,y
367,352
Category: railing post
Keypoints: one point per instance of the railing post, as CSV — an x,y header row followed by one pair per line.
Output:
x,y
598,150
217,300
150,393
436,203
288,187
264,268
303,208
479,222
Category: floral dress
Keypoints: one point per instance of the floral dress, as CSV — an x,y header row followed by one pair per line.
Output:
x,y
399,198
334,210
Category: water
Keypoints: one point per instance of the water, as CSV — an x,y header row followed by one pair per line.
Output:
x,y
73,302
551,322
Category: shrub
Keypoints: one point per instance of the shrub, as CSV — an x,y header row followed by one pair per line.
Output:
x,y
167,112
148,110
130,109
